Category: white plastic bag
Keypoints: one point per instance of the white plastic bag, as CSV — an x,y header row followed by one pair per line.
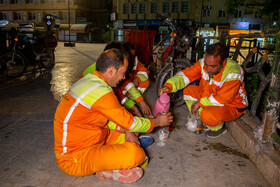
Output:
x,y
193,121
258,132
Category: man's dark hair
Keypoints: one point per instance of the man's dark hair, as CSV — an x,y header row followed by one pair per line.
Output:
x,y
111,58
114,44
129,46
217,49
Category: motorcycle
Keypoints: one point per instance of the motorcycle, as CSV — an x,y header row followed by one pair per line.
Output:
x,y
38,50
174,58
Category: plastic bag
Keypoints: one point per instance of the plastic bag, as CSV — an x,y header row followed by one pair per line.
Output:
x,y
258,132
193,122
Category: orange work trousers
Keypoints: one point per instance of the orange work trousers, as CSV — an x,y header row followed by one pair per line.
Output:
x,y
210,115
111,156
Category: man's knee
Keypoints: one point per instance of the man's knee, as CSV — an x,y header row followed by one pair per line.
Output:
x,y
136,154
209,118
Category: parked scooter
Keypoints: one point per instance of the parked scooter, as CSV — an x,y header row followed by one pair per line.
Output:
x,y
37,50
13,61
174,59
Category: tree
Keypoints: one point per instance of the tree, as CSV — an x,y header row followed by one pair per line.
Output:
x,y
232,7
271,118
271,8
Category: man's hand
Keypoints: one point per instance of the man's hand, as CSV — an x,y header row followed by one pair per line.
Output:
x,y
164,89
131,137
135,82
145,108
136,111
194,108
163,119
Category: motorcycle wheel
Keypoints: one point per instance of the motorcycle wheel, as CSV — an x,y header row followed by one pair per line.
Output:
x,y
48,60
176,99
15,67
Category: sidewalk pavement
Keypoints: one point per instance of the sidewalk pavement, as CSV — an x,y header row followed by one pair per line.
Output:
x,y
188,159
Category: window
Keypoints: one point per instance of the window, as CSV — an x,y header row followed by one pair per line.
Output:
x,y
258,14
133,8
36,2
63,15
222,13
6,2
17,16
39,16
24,16
166,7
153,7
21,2
1,2
125,8
44,1
141,8
206,11
71,16
3,16
175,7
60,1
31,16
28,1
248,12
184,6
240,13
10,16
14,1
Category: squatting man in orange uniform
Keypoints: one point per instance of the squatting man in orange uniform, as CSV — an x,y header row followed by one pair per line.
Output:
x,y
220,96
84,144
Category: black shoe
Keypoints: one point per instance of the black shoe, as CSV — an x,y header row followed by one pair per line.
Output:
x,y
216,134
205,128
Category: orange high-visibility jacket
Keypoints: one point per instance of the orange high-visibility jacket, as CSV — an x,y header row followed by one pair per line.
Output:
x,y
83,112
225,88
139,72
125,101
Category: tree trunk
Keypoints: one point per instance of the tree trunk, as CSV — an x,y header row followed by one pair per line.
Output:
x,y
271,117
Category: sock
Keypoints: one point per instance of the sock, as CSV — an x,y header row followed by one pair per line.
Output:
x,y
216,128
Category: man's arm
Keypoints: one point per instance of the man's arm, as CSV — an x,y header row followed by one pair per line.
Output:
x,y
184,78
109,107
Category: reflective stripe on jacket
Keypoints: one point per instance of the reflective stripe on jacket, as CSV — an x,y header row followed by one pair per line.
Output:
x,y
225,88
82,115
139,72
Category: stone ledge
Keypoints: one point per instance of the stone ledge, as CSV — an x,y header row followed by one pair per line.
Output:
x,y
265,157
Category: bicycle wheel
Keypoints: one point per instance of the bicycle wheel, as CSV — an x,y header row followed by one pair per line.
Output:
x,y
15,63
48,59
176,99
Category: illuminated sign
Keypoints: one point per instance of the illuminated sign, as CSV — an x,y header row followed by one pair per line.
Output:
x,y
240,26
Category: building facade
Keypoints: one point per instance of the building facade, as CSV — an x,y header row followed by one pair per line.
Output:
x,y
32,11
137,11
196,13
84,16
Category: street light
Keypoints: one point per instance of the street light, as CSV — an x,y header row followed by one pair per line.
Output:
x,y
69,44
